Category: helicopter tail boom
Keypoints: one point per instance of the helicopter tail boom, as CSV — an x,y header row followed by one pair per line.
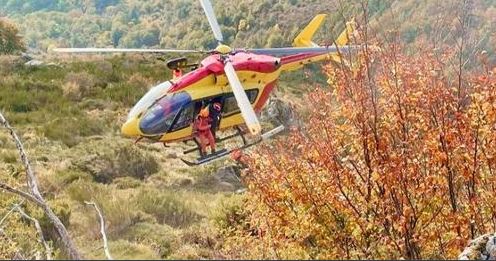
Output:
x,y
310,52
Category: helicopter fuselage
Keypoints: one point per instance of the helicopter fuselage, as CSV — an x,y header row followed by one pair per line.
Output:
x,y
167,112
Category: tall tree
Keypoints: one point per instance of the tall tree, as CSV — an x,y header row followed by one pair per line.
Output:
x,y
10,41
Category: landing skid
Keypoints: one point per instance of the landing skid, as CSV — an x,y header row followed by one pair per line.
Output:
x,y
222,153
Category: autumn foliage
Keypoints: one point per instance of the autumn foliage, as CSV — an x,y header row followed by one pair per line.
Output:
x,y
396,160
10,42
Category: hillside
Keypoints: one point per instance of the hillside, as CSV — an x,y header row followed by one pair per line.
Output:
x,y
395,158
149,23
68,116
246,23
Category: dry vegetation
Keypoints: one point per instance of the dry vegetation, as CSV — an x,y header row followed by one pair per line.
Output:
x,y
148,198
395,158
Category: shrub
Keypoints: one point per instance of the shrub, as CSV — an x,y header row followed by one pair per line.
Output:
x,y
126,161
204,241
135,163
167,207
161,238
78,85
62,210
9,63
186,252
81,191
124,93
395,161
119,212
72,91
10,42
54,183
230,214
16,226
70,130
140,82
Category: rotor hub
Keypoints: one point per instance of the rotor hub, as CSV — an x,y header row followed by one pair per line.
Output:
x,y
223,49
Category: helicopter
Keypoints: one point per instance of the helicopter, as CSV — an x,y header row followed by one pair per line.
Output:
x,y
240,79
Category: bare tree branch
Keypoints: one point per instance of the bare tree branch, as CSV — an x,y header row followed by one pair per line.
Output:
x,y
31,178
42,240
36,196
102,229
10,212
21,194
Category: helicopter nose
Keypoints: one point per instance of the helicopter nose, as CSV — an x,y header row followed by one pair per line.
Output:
x,y
131,128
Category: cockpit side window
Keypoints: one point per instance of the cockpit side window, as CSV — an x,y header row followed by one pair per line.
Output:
x,y
231,105
185,118
160,117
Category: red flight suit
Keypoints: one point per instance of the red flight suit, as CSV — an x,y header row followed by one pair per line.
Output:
x,y
177,73
203,133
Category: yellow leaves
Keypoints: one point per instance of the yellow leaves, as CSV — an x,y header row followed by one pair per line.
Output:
x,y
356,232
375,176
373,165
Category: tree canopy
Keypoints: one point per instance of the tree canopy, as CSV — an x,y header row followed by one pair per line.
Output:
x,y
10,41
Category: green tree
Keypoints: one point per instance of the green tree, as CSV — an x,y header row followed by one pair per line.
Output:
x,y
10,41
276,38
117,32
100,5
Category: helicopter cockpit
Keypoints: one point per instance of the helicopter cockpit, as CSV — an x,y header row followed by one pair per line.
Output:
x,y
167,113
150,97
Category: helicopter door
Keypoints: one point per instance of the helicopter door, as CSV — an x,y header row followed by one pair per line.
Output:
x,y
208,101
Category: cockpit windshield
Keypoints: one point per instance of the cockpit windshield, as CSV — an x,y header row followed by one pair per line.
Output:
x,y
150,97
161,116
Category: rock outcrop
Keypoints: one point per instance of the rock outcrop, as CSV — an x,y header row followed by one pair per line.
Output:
x,y
481,248
278,112
228,178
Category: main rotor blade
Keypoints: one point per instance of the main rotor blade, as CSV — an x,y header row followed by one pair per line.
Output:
x,y
212,19
121,50
244,104
299,50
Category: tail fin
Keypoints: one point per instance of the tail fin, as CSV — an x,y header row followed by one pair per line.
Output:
x,y
304,39
344,37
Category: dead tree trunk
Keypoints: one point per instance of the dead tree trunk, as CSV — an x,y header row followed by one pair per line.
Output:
x,y
36,197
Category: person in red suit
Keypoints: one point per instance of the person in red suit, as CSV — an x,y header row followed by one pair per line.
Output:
x,y
203,133
176,73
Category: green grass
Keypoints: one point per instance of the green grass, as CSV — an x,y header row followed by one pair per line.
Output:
x,y
72,130
162,237
105,165
167,207
154,206
8,156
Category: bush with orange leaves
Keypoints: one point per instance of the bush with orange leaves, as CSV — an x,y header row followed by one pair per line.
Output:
x,y
397,159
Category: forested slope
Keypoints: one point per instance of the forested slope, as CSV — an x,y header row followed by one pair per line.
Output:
x,y
158,23
252,23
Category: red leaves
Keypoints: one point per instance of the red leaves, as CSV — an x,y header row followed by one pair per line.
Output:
x,y
398,164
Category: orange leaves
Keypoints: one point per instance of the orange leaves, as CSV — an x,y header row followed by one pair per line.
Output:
x,y
388,166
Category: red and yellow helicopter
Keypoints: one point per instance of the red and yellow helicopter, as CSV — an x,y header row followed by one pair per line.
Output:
x,y
240,79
